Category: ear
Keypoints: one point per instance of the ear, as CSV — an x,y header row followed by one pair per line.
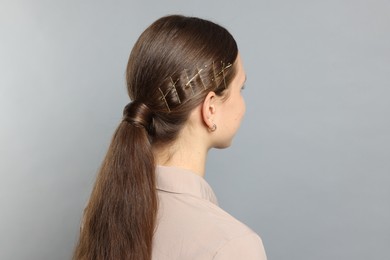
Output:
x,y
209,109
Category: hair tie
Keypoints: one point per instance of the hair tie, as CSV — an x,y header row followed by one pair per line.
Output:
x,y
138,114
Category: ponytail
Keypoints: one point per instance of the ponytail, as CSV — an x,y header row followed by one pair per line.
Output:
x,y
172,67
120,217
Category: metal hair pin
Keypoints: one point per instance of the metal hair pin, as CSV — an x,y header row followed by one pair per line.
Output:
x,y
190,81
188,84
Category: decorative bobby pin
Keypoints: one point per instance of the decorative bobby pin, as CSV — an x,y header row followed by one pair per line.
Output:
x,y
173,85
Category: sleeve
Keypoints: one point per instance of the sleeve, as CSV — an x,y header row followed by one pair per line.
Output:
x,y
248,247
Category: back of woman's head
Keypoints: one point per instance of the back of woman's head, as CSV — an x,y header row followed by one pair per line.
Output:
x,y
174,64
172,67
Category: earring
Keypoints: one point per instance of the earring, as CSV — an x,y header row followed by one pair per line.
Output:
x,y
212,129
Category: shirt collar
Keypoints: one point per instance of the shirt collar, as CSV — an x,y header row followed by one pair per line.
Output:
x,y
182,181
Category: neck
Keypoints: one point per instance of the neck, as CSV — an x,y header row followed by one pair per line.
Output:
x,y
183,155
189,150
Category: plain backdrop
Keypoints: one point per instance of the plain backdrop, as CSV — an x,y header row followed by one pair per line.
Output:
x,y
309,169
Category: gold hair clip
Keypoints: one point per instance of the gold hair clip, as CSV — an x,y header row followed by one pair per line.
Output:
x,y
200,77
215,75
174,88
189,82
223,72
163,98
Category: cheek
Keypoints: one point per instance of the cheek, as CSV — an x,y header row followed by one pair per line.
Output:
x,y
242,107
239,110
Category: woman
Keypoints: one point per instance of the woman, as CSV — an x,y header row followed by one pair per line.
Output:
x,y
150,201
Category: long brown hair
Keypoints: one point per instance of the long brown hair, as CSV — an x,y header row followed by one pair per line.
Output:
x,y
174,64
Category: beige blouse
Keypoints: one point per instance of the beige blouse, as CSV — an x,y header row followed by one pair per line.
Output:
x,y
190,225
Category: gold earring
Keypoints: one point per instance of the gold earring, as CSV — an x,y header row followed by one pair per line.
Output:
x,y
212,129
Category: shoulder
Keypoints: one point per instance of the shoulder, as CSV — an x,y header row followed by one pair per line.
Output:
x,y
199,224
237,241
248,247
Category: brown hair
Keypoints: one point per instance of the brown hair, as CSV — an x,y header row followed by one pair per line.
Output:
x,y
174,64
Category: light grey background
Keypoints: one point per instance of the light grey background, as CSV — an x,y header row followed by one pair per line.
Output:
x,y
309,169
